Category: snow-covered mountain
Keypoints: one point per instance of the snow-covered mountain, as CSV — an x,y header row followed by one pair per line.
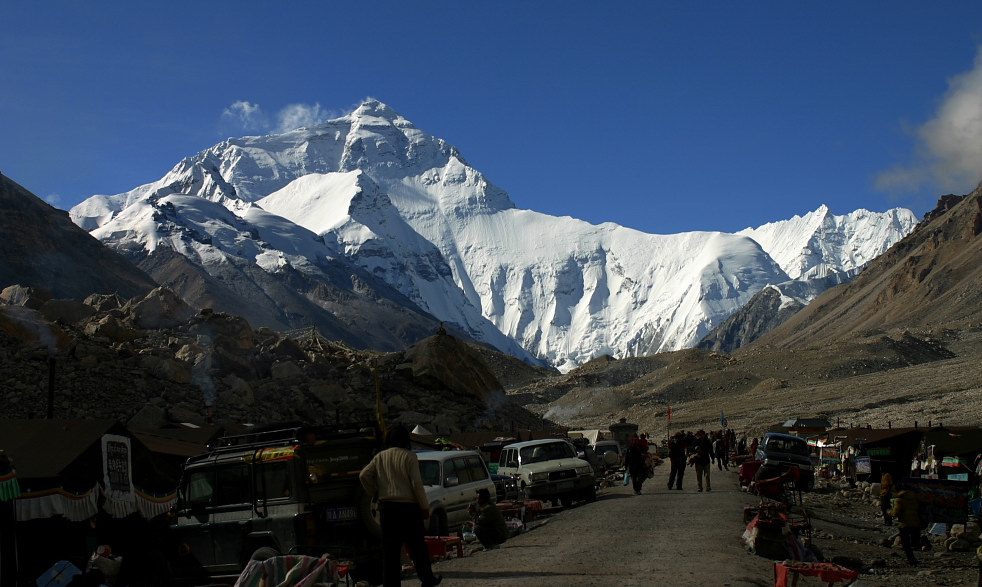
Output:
x,y
405,207
820,243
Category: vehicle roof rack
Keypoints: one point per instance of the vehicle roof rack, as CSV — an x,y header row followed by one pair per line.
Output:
x,y
290,434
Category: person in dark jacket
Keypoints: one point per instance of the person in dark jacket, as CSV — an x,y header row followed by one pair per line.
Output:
x,y
905,511
634,460
702,458
676,456
490,526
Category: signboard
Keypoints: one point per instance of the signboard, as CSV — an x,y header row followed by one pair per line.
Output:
x,y
117,473
942,501
880,451
116,463
862,466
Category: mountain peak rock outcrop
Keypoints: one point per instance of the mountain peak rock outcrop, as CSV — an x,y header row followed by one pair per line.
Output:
x,y
405,208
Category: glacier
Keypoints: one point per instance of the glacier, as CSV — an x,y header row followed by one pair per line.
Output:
x,y
406,207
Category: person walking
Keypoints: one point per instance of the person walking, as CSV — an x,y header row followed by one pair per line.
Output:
x,y
635,462
702,458
393,477
886,496
676,456
905,510
719,449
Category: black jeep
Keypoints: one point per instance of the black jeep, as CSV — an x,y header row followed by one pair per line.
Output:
x,y
287,491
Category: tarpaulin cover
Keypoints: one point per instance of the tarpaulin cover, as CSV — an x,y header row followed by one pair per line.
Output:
x,y
59,575
288,571
825,572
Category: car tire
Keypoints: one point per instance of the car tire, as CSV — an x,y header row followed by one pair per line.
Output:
x,y
438,523
264,552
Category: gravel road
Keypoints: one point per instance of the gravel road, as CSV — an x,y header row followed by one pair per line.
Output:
x,y
661,537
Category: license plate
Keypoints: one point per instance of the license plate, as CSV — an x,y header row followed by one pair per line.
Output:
x,y
340,514
564,485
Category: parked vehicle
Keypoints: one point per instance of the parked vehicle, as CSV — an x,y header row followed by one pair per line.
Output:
x,y
288,491
604,447
451,479
776,453
549,470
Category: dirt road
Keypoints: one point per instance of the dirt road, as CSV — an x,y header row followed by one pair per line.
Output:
x,y
661,537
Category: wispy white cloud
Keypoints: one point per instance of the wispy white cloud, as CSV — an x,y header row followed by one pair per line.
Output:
x,y
949,145
249,116
53,199
298,115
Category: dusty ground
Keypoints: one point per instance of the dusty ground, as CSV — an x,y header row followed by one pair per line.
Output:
x,y
691,539
659,538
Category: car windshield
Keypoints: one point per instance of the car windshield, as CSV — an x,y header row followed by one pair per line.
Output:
x,y
546,452
786,445
430,472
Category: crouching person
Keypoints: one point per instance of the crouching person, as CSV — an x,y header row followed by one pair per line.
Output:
x,y
490,526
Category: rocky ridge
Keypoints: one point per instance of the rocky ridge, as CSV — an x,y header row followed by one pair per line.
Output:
x,y
154,359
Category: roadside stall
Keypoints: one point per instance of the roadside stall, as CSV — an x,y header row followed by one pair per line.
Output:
x,y
82,484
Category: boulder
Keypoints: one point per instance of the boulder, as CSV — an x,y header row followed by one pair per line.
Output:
x,y
285,370
958,545
328,394
957,530
228,332
161,308
104,302
66,311
111,328
442,361
167,369
874,489
289,349
21,295
240,391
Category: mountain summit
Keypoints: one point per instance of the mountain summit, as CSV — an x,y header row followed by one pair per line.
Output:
x,y
406,208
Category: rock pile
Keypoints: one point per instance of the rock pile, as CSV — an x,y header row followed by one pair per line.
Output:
x,y
153,359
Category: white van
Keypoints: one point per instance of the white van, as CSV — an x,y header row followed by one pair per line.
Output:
x,y
451,479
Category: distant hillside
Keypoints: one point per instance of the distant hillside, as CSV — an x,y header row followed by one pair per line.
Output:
x,y
40,247
930,279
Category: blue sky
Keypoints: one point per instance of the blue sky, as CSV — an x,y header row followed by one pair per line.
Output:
x,y
661,116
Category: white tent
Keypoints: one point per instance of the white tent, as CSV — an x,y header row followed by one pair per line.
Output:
x,y
420,431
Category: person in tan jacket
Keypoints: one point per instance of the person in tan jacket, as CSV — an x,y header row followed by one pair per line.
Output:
x,y
393,477
906,512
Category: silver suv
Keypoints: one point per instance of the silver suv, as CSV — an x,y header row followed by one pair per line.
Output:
x,y
549,470
451,479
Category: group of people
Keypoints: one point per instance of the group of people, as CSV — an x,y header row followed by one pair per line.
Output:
x,y
699,450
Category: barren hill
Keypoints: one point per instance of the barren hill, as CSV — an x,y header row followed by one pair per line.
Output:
x,y
931,279
42,248
901,343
